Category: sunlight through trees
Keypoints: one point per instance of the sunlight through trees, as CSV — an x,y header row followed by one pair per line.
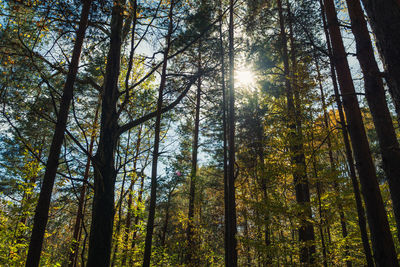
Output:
x,y
199,133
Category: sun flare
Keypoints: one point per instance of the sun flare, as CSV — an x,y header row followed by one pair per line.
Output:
x,y
245,78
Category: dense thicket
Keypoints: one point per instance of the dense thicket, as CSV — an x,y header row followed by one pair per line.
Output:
x,y
199,133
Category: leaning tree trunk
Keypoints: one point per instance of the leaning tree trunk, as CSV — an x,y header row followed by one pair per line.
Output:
x,y
101,229
382,241
157,129
362,223
306,230
42,209
375,94
384,17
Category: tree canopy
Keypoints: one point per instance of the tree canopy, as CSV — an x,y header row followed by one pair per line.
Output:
x,y
199,133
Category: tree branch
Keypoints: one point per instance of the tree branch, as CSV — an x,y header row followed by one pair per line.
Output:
x,y
151,115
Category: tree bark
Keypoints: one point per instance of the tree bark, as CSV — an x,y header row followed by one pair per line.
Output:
x,y
101,229
153,192
230,217
375,94
384,17
382,241
349,155
43,205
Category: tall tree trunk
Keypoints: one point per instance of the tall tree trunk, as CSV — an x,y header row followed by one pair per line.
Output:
x,y
384,17
225,129
101,229
157,129
73,256
349,155
119,204
130,199
230,217
306,231
134,178
193,173
43,205
382,241
375,94
333,165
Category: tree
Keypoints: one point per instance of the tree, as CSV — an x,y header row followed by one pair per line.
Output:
x,y
152,207
375,94
230,217
42,208
306,231
382,241
349,155
384,18
252,167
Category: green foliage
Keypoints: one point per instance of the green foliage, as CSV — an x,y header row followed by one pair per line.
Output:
x,y
36,38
